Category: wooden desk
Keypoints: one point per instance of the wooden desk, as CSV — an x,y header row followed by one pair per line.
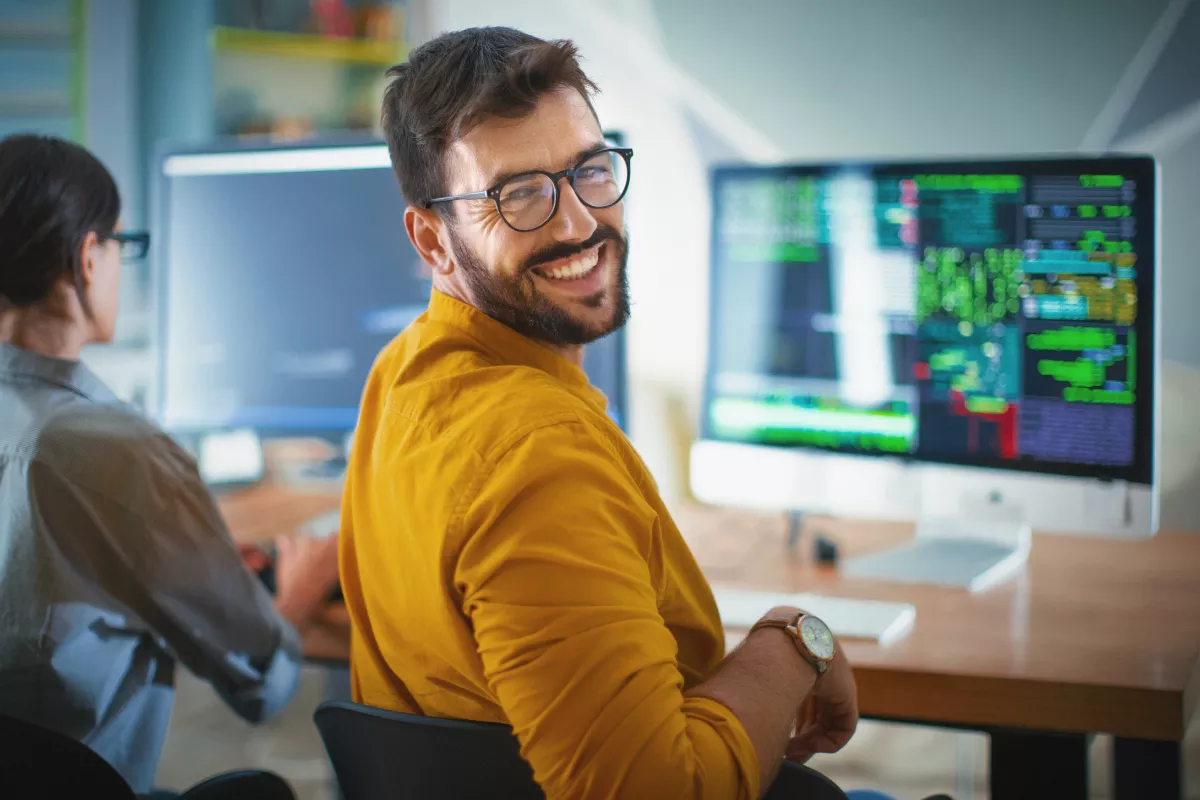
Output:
x,y
1094,636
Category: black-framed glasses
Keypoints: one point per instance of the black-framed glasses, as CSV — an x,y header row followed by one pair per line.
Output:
x,y
133,246
529,200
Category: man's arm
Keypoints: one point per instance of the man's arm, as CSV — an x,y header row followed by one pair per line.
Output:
x,y
763,682
556,570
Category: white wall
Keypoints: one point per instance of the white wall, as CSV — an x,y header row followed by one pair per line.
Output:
x,y
878,78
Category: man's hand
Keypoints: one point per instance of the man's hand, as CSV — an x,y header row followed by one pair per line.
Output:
x,y
829,715
306,570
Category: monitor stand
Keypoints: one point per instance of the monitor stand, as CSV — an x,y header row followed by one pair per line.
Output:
x,y
958,552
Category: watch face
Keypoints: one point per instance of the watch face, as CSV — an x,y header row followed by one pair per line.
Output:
x,y
817,637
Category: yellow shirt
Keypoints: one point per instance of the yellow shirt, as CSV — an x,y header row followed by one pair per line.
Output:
x,y
506,557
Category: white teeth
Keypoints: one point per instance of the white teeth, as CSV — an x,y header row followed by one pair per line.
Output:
x,y
577,267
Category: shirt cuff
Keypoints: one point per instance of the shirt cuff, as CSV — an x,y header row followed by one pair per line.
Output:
x,y
277,683
283,674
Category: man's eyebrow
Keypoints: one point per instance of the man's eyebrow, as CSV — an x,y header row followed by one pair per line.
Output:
x,y
575,159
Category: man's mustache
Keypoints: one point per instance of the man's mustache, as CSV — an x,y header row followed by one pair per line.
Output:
x,y
567,249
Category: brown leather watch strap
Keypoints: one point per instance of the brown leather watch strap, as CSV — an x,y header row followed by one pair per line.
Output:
x,y
777,619
789,622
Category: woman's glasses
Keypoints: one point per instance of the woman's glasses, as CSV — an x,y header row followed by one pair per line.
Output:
x,y
529,200
134,246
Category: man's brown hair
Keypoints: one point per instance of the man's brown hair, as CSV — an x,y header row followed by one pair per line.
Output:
x,y
454,82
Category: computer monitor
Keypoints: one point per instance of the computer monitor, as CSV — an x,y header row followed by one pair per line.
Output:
x,y
282,270
963,341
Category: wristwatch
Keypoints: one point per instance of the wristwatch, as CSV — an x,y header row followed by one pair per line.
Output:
x,y
811,636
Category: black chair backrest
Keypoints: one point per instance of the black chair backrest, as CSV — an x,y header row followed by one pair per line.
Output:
x,y
246,784
798,782
377,753
37,762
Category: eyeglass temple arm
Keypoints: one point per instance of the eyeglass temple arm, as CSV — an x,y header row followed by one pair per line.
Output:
x,y
484,195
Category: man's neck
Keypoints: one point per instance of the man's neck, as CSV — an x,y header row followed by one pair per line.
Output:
x,y
572,353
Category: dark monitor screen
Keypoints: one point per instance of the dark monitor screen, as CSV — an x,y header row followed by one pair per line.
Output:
x,y
282,273
997,314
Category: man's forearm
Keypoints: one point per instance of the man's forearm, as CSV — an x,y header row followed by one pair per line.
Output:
x,y
763,682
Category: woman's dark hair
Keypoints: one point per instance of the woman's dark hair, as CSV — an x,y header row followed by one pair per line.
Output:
x,y
52,194
454,82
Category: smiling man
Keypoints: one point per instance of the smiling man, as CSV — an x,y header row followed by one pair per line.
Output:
x,y
505,554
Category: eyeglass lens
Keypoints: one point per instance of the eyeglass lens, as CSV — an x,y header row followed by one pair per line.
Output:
x,y
133,249
527,201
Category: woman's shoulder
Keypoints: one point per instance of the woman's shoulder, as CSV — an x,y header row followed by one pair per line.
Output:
x,y
101,424
109,443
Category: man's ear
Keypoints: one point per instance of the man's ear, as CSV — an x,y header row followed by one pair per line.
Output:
x,y
426,231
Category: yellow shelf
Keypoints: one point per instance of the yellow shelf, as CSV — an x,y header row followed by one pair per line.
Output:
x,y
297,45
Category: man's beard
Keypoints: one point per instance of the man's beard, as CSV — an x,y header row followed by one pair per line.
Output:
x,y
516,301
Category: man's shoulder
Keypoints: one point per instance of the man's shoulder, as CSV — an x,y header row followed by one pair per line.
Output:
x,y
456,391
490,407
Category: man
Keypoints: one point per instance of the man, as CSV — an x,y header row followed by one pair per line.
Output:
x,y
505,554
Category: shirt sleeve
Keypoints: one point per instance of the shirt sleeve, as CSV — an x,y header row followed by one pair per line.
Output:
x,y
557,572
127,506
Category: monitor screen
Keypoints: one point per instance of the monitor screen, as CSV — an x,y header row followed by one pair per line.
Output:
x,y
996,314
282,273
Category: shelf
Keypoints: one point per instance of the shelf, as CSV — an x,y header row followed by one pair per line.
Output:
x,y
296,45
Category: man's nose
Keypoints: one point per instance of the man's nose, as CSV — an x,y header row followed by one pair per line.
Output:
x,y
574,220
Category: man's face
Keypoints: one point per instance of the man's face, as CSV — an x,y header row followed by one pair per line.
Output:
x,y
511,275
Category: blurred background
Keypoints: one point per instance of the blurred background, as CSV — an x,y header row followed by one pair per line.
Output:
x,y
690,83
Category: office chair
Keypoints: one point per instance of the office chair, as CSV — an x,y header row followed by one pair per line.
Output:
x,y
45,763
378,753
247,784
36,762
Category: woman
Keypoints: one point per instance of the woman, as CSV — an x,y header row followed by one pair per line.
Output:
x,y
114,562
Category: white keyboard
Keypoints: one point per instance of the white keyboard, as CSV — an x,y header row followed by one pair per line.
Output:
x,y
848,618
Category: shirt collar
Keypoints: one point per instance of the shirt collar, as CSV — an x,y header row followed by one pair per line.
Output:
x,y
71,375
511,347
